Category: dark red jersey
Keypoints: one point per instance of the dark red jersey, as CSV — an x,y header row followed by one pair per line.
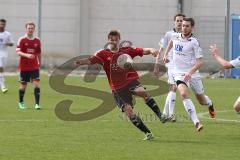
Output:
x,y
29,46
117,77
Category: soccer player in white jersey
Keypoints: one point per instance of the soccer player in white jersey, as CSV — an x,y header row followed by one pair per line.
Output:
x,y
5,41
187,59
171,97
227,65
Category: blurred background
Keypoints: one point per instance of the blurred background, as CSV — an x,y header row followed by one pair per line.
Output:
x,y
69,28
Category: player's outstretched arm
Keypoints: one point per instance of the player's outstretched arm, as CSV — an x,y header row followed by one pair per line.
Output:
x,y
148,51
157,61
169,47
82,61
216,54
159,55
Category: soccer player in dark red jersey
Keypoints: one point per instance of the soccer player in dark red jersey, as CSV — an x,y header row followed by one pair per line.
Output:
x,y
29,50
124,83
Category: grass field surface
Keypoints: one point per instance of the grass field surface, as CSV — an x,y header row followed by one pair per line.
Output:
x,y
40,135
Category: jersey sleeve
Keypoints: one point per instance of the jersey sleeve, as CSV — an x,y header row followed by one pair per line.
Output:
x,y
134,52
40,47
97,58
10,38
236,62
197,49
165,40
19,45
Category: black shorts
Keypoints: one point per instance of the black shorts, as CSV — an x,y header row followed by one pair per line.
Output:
x,y
125,95
29,76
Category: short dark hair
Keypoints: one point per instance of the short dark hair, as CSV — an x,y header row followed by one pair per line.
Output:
x,y
3,20
179,15
30,23
114,33
191,20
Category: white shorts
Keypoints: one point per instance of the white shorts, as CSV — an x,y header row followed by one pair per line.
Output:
x,y
3,62
194,83
170,74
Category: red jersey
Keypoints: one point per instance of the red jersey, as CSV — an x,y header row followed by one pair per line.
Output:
x,y
117,77
29,46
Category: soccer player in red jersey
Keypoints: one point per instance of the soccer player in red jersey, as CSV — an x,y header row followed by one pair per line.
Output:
x,y
29,51
124,82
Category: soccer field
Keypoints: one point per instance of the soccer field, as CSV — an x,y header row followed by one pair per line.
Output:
x,y
31,134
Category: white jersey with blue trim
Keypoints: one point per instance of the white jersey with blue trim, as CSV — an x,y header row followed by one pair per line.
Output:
x,y
185,53
5,37
236,62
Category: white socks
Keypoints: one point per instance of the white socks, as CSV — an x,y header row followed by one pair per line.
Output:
x,y
208,101
190,108
169,104
172,103
166,108
2,84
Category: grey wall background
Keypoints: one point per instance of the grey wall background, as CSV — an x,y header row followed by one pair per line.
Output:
x,y
79,27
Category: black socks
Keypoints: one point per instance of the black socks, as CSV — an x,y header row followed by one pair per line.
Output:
x,y
139,124
37,95
21,95
153,105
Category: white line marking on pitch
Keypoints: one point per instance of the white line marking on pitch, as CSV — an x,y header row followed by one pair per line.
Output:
x,y
203,115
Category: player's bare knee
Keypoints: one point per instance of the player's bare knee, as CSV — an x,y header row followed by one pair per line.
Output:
x,y
127,109
183,90
36,84
145,95
141,92
23,85
184,95
201,99
173,88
